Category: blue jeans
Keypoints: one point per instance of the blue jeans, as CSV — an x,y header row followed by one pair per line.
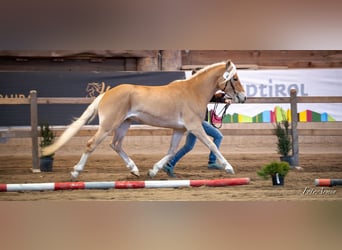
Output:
x,y
191,140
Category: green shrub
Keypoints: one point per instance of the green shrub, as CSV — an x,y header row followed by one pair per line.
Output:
x,y
282,168
47,136
284,139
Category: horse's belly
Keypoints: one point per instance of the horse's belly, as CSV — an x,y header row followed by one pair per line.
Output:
x,y
150,119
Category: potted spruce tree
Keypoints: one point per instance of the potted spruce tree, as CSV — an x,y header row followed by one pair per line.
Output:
x,y
277,170
284,143
46,138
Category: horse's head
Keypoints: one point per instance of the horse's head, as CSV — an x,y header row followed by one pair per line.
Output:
x,y
230,83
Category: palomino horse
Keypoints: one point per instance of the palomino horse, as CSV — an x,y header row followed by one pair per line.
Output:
x,y
180,105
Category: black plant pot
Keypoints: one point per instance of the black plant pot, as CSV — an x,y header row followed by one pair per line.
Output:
x,y
277,180
46,164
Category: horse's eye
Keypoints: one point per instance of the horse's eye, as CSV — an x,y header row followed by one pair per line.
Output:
x,y
235,78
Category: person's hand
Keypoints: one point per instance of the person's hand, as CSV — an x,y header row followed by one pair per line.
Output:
x,y
219,95
228,101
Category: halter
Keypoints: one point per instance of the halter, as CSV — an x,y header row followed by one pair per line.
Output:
x,y
228,75
231,84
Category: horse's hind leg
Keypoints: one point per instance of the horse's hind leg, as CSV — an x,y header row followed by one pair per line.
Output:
x,y
91,145
176,138
120,133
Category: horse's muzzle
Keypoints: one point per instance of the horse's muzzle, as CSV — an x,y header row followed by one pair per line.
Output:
x,y
240,98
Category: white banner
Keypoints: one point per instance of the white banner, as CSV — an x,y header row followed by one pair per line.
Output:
x,y
277,83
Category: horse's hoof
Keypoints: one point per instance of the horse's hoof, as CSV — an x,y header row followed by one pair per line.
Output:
x,y
135,173
74,175
230,171
150,173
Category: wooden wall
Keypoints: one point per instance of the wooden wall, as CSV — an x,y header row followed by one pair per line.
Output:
x,y
266,58
164,60
108,60
118,60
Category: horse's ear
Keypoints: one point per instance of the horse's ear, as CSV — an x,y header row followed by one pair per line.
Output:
x,y
230,70
228,63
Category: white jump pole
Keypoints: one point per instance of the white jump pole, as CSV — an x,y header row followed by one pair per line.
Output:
x,y
122,184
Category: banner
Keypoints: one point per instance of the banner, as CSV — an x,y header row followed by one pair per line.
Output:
x,y
278,83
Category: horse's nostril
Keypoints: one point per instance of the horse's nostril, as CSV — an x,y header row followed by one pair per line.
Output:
x,y
243,99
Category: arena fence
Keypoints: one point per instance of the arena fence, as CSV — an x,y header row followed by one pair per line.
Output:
x,y
34,101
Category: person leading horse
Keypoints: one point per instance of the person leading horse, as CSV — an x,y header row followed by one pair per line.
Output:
x,y
179,105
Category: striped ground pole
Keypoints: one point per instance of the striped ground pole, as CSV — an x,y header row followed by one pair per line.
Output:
x,y
53,186
328,182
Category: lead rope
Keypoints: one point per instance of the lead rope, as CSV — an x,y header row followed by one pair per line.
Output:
x,y
213,113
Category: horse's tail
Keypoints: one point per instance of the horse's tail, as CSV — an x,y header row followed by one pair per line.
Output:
x,y
88,115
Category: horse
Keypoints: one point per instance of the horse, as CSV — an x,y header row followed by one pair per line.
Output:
x,y
179,105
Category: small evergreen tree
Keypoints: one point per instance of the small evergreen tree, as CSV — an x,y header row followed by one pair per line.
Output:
x,y
46,136
284,139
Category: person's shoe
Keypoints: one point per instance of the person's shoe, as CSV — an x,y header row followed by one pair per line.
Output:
x,y
214,166
168,169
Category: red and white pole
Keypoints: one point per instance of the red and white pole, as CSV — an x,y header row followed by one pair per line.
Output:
x,y
122,184
328,182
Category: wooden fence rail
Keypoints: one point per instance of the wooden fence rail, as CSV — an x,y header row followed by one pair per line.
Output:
x,y
88,100
293,100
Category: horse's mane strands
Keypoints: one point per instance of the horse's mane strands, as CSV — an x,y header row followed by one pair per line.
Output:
x,y
206,68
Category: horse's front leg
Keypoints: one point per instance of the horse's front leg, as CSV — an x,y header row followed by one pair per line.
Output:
x,y
176,138
201,135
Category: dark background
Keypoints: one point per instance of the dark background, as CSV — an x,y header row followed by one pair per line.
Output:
x,y
65,84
